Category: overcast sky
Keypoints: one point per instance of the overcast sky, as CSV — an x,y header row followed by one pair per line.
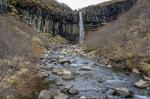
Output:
x,y
77,4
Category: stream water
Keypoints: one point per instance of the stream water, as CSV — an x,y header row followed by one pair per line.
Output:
x,y
93,82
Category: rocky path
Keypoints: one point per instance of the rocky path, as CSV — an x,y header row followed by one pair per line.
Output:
x,y
72,75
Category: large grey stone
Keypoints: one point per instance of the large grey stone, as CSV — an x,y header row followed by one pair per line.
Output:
x,y
58,71
135,71
142,84
73,91
46,94
146,78
86,67
83,97
64,61
42,74
61,96
124,92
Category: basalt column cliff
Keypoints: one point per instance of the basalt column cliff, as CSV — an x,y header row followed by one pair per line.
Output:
x,y
98,15
48,16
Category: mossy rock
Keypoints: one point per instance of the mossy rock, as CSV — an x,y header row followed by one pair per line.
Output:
x,y
43,4
145,68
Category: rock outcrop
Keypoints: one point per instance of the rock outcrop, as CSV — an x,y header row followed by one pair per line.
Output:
x,y
49,16
98,15
3,5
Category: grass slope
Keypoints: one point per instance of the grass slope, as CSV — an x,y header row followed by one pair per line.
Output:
x,y
125,41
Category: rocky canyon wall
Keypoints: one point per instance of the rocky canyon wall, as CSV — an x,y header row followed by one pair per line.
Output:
x,y
49,16
46,16
64,24
98,15
3,5
47,21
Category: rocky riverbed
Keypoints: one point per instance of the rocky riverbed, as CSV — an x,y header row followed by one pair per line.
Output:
x,y
72,75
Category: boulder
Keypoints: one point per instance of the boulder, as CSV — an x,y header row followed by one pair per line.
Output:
x,y
70,90
46,94
124,92
59,83
73,91
101,79
64,61
57,71
109,66
135,71
83,97
42,74
110,92
60,96
45,56
68,77
142,84
67,88
66,72
141,97
103,65
87,67
146,78
110,97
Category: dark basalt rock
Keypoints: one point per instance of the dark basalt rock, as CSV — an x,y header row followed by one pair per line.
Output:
x,y
97,15
3,5
62,20
61,23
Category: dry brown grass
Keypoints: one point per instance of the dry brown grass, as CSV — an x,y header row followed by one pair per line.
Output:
x,y
15,37
126,40
18,59
20,50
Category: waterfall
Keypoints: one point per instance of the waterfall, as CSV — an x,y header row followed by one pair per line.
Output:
x,y
81,25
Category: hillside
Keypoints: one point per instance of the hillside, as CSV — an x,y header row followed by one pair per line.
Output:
x,y
21,48
125,42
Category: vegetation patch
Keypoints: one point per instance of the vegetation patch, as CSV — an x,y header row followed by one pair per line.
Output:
x,y
124,41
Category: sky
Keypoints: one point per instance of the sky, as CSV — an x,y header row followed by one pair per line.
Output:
x,y
77,4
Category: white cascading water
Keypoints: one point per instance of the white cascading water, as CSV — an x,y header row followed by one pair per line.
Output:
x,y
81,25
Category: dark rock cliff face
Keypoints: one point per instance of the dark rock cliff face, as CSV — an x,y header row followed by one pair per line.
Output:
x,y
49,16
61,23
3,5
98,15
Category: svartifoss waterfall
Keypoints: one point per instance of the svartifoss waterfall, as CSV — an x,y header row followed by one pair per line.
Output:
x,y
81,25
